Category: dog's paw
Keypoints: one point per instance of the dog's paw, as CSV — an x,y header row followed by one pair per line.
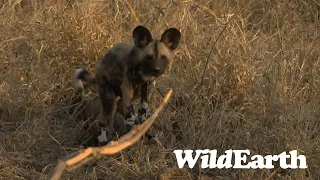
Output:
x,y
102,138
144,112
132,120
144,107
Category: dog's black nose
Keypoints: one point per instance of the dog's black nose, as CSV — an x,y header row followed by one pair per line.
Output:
x,y
157,70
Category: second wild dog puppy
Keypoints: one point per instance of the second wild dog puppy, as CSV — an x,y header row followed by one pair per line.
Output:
x,y
126,71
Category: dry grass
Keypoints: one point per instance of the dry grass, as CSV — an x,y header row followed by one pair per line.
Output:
x,y
261,90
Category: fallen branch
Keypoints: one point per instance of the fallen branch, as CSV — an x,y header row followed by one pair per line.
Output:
x,y
77,159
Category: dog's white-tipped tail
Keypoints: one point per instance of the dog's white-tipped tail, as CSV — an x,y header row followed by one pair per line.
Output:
x,y
77,80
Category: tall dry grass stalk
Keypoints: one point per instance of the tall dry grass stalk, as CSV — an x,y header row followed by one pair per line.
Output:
x,y
261,90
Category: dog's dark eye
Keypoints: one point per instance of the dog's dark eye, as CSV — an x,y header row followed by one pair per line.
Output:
x,y
163,57
149,57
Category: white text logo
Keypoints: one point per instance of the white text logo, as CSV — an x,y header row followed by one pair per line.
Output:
x,y
210,159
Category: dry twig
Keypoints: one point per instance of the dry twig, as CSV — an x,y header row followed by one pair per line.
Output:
x,y
215,43
76,159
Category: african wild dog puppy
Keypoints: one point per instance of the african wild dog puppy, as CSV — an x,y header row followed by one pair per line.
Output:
x,y
127,71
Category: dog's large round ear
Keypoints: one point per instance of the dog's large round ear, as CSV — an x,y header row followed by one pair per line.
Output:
x,y
142,36
171,38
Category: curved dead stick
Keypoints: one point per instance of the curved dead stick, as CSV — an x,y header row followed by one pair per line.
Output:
x,y
75,160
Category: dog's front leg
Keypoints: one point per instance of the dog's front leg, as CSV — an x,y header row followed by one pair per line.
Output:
x,y
144,110
128,109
